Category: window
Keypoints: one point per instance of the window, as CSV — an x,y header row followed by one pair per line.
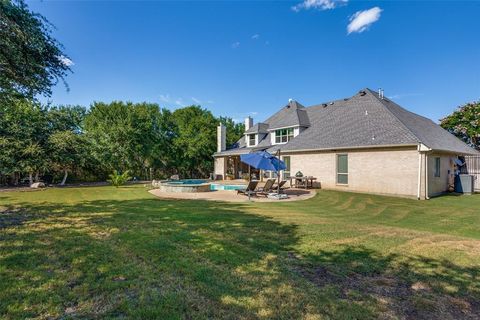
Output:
x,y
283,135
342,168
251,139
437,167
267,174
286,172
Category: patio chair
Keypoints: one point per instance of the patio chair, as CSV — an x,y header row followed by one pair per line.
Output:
x,y
267,188
282,186
250,189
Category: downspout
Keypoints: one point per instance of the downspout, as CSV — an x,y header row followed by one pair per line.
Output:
x,y
426,177
419,175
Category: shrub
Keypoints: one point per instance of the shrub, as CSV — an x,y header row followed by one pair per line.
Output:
x,y
117,179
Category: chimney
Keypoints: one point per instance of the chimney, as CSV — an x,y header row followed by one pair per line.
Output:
x,y
221,138
248,123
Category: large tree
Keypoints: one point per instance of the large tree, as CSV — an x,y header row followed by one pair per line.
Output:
x,y
465,123
23,137
127,136
67,146
31,60
195,140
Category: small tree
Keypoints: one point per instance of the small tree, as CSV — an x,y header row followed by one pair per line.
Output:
x,y
465,123
117,179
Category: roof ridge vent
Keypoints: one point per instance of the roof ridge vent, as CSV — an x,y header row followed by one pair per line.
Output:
x,y
380,93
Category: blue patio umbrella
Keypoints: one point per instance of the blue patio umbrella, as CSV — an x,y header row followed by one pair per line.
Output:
x,y
263,160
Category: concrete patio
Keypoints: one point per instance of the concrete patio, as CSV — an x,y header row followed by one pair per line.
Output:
x,y
232,196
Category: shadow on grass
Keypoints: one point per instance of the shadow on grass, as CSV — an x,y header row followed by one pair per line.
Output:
x,y
408,287
150,258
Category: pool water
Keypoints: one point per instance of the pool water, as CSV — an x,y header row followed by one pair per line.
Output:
x,y
230,187
213,186
187,181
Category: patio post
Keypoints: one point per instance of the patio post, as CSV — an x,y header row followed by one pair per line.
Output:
x,y
278,176
249,179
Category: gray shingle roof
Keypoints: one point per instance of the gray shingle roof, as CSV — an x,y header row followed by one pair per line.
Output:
x,y
293,114
364,120
258,128
427,131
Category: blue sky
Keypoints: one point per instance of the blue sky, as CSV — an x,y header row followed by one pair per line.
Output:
x,y
248,58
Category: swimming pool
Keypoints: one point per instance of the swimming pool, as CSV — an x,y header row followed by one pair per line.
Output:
x,y
196,185
229,187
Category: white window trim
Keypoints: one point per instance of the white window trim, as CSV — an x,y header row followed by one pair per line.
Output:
x,y
248,139
274,135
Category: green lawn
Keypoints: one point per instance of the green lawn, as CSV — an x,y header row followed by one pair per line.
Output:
x,y
121,253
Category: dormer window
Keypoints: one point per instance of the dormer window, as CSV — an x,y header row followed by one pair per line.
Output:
x,y
251,140
283,135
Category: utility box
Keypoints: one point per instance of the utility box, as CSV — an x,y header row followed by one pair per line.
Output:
x,y
464,183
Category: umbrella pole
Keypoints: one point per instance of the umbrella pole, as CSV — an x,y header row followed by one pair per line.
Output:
x,y
249,179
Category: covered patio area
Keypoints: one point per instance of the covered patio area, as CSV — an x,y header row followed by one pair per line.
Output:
x,y
231,168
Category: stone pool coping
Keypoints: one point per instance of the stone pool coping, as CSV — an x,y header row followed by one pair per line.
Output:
x,y
166,187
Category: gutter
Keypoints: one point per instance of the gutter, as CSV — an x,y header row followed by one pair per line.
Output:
x,y
426,177
351,147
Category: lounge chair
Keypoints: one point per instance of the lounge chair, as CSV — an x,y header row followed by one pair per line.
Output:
x,y
267,188
282,188
250,189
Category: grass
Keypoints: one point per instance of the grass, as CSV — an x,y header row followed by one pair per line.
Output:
x,y
103,252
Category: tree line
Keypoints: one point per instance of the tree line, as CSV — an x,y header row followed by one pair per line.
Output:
x,y
56,143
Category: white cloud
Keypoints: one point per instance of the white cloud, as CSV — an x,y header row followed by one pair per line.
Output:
x,y
235,45
66,61
404,95
318,4
165,98
179,102
255,36
197,101
361,20
254,113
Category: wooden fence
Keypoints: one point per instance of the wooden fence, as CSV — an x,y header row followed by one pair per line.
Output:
x,y
472,166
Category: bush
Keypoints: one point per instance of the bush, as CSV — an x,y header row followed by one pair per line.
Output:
x,y
117,179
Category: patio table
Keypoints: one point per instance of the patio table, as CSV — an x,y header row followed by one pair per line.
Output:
x,y
305,182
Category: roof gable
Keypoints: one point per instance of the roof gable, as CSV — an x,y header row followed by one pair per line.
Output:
x,y
427,132
258,128
292,115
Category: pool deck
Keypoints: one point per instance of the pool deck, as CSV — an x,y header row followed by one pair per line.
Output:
x,y
232,196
